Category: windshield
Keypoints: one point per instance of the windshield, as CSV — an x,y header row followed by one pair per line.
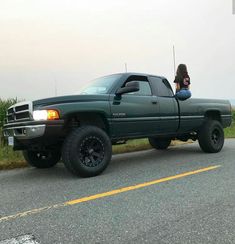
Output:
x,y
101,85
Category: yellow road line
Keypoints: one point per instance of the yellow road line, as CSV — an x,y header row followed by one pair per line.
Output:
x,y
131,188
109,193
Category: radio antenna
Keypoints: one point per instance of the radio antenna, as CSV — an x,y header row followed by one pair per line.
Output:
x,y
174,59
55,87
126,67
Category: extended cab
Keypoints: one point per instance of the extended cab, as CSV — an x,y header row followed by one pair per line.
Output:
x,y
111,110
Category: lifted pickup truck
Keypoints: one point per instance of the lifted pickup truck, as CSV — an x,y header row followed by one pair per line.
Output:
x,y
111,110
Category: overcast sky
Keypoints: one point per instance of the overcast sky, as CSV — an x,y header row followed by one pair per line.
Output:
x,y
70,42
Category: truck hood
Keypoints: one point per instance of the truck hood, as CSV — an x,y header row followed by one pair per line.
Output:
x,y
70,99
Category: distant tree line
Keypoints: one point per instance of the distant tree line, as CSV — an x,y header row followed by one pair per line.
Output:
x,y
4,105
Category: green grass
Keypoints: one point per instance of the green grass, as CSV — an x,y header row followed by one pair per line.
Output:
x,y
10,159
138,145
132,145
230,131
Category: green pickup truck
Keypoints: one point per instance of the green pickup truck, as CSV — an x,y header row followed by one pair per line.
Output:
x,y
110,110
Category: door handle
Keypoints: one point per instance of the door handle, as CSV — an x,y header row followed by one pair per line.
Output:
x,y
154,102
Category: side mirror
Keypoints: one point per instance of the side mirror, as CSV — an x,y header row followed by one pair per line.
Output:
x,y
132,86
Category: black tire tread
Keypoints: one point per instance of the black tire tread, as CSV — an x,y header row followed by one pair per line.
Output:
x,y
45,163
159,143
204,136
69,143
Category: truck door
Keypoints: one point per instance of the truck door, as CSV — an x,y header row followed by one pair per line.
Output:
x,y
136,113
167,104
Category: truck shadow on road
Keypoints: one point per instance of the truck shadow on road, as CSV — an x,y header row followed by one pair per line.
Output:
x,y
119,163
172,154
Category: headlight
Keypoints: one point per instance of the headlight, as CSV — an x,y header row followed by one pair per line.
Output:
x,y
45,115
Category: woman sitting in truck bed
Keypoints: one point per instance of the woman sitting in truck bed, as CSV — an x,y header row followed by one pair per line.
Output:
x,y
182,82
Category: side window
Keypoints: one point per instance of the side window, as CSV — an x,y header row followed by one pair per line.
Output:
x,y
145,89
161,87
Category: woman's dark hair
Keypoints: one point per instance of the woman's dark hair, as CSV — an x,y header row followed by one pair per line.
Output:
x,y
182,71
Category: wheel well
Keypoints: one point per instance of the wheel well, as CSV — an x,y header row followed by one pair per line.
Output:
x,y
215,115
82,119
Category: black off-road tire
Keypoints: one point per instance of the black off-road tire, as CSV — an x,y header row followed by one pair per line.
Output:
x,y
159,143
87,151
43,159
211,136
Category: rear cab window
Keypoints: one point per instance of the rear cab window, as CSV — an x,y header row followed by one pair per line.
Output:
x,y
161,87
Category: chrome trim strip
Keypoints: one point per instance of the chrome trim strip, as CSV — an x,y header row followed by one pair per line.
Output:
x,y
135,119
14,112
192,117
25,132
170,117
145,118
156,118
22,111
19,120
26,126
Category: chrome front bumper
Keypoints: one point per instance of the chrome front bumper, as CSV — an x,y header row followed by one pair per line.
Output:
x,y
25,132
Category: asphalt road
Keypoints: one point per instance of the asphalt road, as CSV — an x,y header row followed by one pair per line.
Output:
x,y
161,205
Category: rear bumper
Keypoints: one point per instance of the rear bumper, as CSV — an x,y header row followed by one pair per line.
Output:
x,y
34,133
226,120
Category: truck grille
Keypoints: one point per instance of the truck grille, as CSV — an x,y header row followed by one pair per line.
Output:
x,y
20,112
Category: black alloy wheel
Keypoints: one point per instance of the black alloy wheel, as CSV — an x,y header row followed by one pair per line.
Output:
x,y
215,136
91,151
87,151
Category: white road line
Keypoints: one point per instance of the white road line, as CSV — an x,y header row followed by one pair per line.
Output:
x,y
25,239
